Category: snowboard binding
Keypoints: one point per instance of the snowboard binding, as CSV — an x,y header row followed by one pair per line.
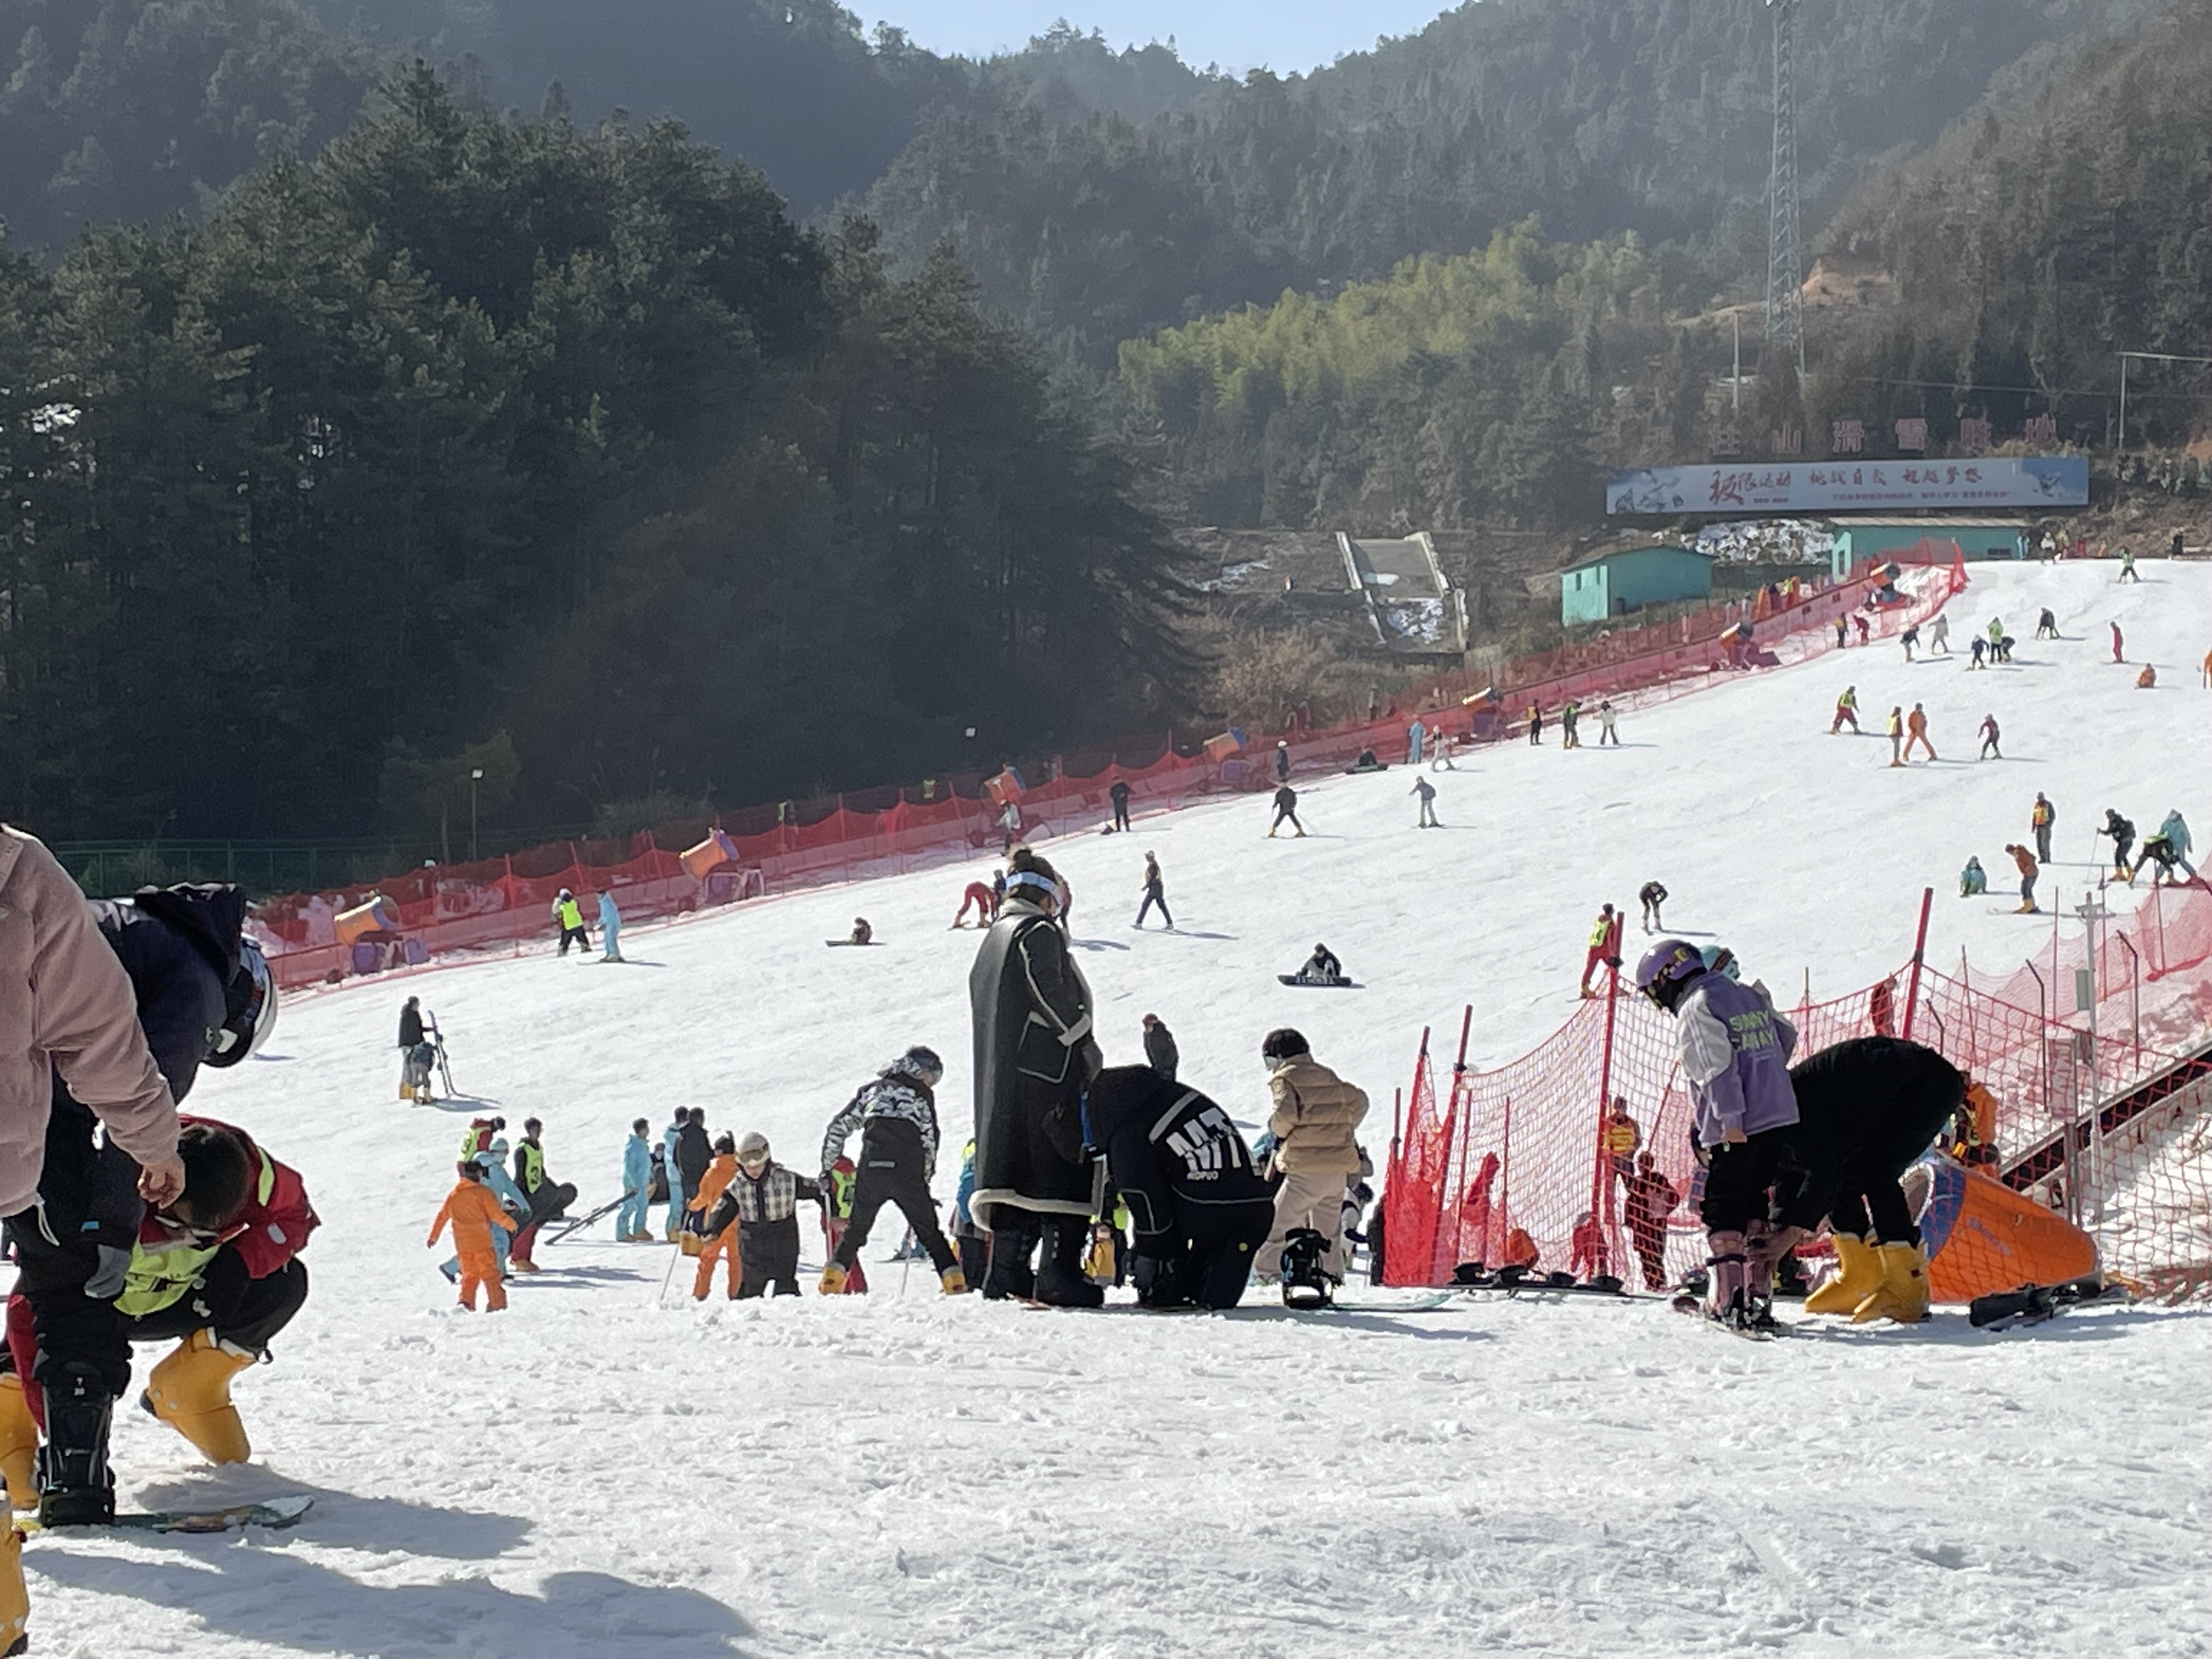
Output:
x,y
1305,1283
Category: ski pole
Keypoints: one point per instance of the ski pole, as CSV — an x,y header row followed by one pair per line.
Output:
x,y
906,1272
674,1256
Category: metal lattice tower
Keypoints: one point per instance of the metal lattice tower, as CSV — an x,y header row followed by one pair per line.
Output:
x,y
1785,265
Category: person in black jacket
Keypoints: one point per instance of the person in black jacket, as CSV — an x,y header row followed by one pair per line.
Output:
x,y
1160,1052
1119,794
1199,1207
1287,810
694,1152
417,1055
763,1198
896,1116
1156,892
1034,1056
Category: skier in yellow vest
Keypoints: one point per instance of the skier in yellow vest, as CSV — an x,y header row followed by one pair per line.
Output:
x,y
569,917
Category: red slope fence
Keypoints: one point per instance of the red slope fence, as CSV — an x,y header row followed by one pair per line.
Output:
x,y
505,903
2105,1115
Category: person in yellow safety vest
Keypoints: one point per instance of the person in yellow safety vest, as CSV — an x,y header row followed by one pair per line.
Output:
x,y
1604,947
1623,1138
1897,735
568,916
546,1200
1847,711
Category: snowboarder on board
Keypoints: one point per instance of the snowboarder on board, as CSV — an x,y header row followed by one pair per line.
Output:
x,y
2118,644
2176,831
1286,811
1535,723
1652,896
2047,625
2040,817
1915,727
610,929
1316,1117
1604,947
895,1116
1608,725
568,917
1866,1108
761,1203
1989,736
1440,752
1896,735
1977,646
862,933
1973,880
1156,892
1198,1206
2123,833
637,1185
1119,794
980,898
474,1214
1865,633
1909,638
1847,712
1160,1051
2147,679
1571,711
2128,565
1842,635
1035,1056
1321,967
1427,791
2024,862
1939,637
1734,1052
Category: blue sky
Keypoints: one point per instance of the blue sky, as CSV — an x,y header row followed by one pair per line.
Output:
x,y
1286,35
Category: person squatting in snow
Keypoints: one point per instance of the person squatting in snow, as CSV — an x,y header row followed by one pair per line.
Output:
x,y
1035,1057
198,1243
896,1117
1734,1052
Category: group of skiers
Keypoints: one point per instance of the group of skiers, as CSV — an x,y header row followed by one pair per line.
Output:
x,y
2168,849
128,1222
569,918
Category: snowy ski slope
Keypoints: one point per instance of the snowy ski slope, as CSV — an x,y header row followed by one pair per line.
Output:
x,y
602,1471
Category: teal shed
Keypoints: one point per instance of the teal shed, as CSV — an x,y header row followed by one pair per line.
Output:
x,y
1629,578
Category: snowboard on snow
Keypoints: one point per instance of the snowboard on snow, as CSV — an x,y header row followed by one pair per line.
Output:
x,y
274,1513
1319,984
2033,1304
852,944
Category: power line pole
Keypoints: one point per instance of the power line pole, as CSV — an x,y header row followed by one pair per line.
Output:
x,y
1785,265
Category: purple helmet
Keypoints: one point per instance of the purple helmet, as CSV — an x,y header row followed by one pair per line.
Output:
x,y
1665,964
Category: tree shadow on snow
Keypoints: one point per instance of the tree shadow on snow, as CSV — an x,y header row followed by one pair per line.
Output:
x,y
269,1594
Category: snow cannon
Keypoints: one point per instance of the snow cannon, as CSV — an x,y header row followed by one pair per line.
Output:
x,y
377,915
1984,1237
1219,749
1005,788
709,855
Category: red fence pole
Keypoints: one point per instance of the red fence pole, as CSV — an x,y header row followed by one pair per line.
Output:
x,y
1919,953
1601,1169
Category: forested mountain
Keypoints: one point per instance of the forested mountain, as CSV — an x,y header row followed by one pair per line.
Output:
x,y
471,428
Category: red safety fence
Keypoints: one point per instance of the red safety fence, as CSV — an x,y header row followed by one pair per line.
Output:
x,y
507,902
2102,1114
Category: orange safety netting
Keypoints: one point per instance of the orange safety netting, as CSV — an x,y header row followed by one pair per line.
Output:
x,y
2102,1117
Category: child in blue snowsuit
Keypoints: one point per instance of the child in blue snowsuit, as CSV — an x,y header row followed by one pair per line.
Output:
x,y
637,1184
668,1139
610,928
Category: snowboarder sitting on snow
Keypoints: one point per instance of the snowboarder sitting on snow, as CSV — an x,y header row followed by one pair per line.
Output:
x,y
1315,1118
1198,1206
1868,1107
1973,880
861,933
1734,1052
1368,762
896,1116
1321,967
764,1200
475,1215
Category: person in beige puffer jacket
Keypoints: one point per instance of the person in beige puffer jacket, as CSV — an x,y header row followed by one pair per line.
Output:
x,y
1317,1115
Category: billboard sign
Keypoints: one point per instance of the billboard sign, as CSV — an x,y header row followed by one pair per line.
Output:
x,y
1975,484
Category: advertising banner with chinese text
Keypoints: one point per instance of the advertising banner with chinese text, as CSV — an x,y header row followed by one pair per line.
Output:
x,y
2033,483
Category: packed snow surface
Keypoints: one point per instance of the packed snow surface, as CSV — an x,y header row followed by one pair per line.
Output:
x,y
611,1469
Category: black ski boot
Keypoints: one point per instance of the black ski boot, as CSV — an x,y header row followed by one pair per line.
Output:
x,y
75,1487
1305,1283
1012,1243
1059,1280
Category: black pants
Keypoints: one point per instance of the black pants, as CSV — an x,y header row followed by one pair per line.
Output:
x,y
1283,815
770,1252
1737,1178
1210,1271
892,1172
245,1311
1154,896
1120,812
86,1198
578,935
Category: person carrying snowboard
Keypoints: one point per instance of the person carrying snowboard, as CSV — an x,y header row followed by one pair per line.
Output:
x,y
568,917
762,1202
2024,862
1652,896
1734,1048
1989,736
1316,1115
474,1213
2040,817
1286,811
1847,711
1427,791
1155,893
896,1118
1198,1207
1119,794
1604,947
637,1185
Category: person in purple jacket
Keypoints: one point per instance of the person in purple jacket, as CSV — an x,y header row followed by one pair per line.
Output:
x,y
1734,1050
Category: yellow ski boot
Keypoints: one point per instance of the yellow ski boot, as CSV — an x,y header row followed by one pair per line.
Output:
x,y
190,1390
14,1598
955,1281
1857,1275
19,1444
1902,1295
833,1280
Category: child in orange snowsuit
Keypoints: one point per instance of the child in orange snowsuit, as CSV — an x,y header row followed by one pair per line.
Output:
x,y
723,1246
474,1212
